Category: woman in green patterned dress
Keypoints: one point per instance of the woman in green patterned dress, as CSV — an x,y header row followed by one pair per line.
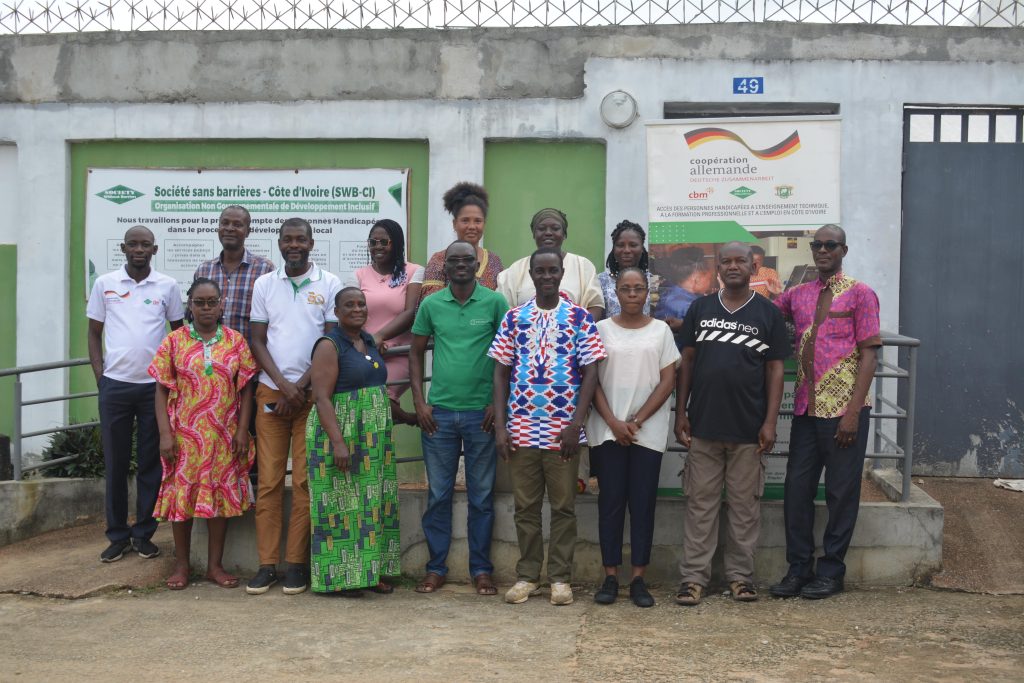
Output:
x,y
353,487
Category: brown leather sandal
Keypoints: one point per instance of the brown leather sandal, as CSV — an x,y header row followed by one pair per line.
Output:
x,y
743,591
430,583
484,584
689,594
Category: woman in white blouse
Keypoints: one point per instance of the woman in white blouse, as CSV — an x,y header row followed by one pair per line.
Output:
x,y
629,430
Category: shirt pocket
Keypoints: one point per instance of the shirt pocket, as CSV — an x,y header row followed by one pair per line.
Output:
x,y
840,324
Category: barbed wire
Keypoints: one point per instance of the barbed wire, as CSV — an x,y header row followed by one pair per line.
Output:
x,y
71,16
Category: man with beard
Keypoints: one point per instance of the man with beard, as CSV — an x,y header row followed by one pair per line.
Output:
x,y
292,307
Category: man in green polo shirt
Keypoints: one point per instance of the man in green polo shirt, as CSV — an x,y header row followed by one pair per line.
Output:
x,y
463,319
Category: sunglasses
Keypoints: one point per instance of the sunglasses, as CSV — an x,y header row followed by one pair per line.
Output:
x,y
830,245
206,303
378,243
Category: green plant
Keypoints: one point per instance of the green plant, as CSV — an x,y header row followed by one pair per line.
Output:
x,y
85,443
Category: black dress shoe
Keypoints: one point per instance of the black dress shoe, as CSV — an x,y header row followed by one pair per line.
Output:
x,y
608,592
790,586
822,587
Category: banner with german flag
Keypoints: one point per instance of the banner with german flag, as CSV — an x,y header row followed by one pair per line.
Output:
x,y
753,174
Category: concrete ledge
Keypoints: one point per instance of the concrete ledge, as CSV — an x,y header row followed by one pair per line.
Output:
x,y
32,507
895,544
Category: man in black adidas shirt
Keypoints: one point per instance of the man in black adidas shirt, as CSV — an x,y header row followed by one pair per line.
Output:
x,y
728,395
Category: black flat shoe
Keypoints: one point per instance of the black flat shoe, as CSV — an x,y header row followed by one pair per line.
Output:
x,y
790,586
639,594
822,587
608,592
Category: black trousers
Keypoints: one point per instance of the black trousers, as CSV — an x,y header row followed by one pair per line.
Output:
x,y
121,405
627,477
812,447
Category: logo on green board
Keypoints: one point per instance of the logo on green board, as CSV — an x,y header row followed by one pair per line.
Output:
x,y
742,192
119,194
396,192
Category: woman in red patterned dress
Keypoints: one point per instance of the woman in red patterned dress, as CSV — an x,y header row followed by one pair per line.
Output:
x,y
203,401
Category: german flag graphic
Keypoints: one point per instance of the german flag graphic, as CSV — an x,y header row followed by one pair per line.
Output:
x,y
696,138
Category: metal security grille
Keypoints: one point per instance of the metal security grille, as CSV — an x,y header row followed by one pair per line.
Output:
x,y
69,16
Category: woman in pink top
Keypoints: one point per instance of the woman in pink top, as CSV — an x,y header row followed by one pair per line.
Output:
x,y
392,290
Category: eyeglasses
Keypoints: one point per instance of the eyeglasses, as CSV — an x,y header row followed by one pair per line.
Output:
x,y
379,243
830,245
206,303
639,289
456,260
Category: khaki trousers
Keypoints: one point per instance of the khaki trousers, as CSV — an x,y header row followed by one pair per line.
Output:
x,y
274,436
532,470
709,465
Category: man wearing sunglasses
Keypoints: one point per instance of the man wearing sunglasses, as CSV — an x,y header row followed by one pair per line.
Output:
x,y
837,332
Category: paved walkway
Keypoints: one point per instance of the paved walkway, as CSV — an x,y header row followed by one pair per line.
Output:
x,y
208,633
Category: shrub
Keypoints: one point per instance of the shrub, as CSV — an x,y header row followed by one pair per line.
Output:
x,y
86,444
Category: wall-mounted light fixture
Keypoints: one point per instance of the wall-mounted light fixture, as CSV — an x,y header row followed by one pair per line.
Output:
x,y
618,109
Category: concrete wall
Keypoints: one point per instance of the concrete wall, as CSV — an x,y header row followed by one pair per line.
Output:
x,y
457,89
33,507
894,544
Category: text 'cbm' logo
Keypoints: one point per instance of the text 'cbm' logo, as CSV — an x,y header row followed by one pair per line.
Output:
x,y
696,138
119,194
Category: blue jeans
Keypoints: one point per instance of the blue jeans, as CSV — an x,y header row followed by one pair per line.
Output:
x,y
459,431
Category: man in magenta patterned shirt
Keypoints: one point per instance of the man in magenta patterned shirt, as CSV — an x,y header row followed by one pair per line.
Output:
x,y
837,334
544,381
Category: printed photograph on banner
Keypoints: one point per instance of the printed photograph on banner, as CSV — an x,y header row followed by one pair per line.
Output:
x,y
182,208
770,182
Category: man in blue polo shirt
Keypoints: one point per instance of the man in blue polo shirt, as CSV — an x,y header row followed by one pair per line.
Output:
x,y
463,319
128,312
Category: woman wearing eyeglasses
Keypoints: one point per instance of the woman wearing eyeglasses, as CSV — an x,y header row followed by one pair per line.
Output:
x,y
203,406
628,431
392,290
467,203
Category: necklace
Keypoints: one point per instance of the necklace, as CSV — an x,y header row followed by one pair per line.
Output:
x,y
367,356
207,346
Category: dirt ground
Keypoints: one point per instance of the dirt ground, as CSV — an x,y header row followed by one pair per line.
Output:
x,y
983,535
210,633
123,624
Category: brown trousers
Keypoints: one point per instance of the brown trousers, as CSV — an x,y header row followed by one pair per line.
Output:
x,y
709,465
274,436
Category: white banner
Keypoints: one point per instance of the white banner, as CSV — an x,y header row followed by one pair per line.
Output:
x,y
182,208
766,174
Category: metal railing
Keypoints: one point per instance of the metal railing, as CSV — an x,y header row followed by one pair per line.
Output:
x,y
885,447
74,16
18,436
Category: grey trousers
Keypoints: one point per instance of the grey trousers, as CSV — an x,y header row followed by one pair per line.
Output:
x,y
709,465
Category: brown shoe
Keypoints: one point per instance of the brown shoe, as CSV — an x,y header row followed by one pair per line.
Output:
x,y
689,594
430,583
484,584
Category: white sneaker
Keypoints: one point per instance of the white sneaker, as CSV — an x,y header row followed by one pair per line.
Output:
x,y
561,594
521,592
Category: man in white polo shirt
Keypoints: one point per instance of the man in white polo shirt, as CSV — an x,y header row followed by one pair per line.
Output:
x,y
292,307
128,311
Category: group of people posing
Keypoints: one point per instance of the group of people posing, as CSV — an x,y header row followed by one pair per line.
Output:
x,y
532,363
